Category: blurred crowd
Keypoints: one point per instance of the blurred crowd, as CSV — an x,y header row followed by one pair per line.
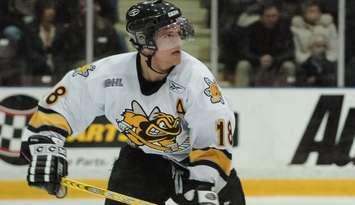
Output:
x,y
40,40
283,43
280,43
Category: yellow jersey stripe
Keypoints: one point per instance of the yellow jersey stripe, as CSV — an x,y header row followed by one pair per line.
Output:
x,y
49,119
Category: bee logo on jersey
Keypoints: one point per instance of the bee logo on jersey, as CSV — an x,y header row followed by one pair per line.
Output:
x,y
158,131
84,70
213,91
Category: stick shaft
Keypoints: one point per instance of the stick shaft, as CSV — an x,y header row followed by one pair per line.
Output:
x,y
102,192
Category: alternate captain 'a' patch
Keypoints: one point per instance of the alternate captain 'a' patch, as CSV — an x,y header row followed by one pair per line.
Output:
x,y
158,130
84,70
213,91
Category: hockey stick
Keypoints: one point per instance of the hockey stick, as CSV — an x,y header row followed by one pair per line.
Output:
x,y
103,192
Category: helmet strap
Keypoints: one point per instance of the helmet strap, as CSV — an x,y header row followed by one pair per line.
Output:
x,y
136,45
149,63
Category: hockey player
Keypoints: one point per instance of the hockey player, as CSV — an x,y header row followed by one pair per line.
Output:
x,y
178,124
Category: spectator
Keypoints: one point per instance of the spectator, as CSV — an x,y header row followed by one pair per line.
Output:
x,y
315,40
237,15
317,70
249,12
43,46
331,7
11,63
230,50
107,41
268,51
14,14
67,11
291,8
109,10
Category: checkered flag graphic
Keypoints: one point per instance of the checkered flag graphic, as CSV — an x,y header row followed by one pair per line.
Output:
x,y
12,124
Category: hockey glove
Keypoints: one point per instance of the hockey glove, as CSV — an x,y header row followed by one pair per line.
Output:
x,y
47,166
195,196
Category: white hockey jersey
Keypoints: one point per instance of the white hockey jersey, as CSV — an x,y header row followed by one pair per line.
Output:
x,y
188,117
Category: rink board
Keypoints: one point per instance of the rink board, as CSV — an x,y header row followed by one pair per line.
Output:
x,y
272,124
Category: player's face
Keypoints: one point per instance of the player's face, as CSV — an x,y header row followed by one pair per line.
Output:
x,y
168,37
169,43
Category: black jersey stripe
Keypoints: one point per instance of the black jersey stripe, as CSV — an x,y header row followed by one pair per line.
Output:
x,y
45,110
48,128
211,164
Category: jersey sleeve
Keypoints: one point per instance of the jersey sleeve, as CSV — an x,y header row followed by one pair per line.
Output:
x,y
211,123
68,108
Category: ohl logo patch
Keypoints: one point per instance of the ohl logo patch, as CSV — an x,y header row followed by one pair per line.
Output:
x,y
213,91
84,70
158,130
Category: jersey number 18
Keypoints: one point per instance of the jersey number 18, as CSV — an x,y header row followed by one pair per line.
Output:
x,y
224,129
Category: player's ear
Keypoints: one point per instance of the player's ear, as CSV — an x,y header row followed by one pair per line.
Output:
x,y
147,52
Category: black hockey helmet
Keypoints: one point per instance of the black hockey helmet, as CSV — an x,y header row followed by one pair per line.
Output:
x,y
144,19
